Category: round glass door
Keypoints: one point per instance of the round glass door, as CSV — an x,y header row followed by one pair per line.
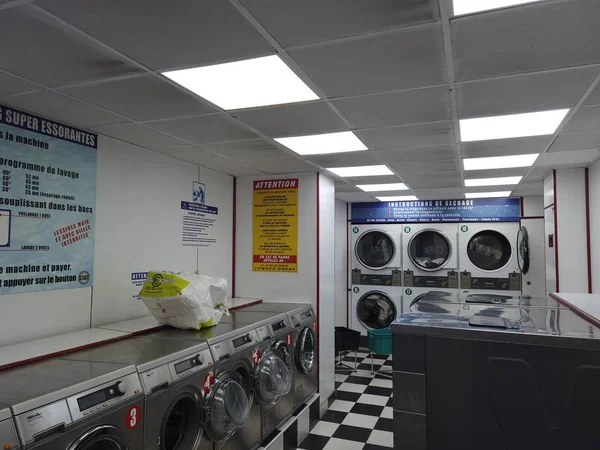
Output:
x,y
489,250
283,351
102,437
523,250
376,310
375,249
228,409
306,350
429,250
273,379
182,425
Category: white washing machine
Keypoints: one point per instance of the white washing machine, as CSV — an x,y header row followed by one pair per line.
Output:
x,y
488,259
377,254
374,307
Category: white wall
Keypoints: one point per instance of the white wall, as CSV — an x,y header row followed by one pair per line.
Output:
x,y
341,263
594,192
533,206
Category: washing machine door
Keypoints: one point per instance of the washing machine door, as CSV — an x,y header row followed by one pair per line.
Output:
x,y
306,351
101,437
181,427
523,250
375,249
429,250
227,407
489,250
273,378
375,310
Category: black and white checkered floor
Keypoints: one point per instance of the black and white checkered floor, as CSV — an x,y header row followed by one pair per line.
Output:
x,y
361,416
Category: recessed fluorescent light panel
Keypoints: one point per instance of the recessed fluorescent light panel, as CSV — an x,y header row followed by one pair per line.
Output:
x,y
487,194
360,171
320,144
462,7
398,198
500,162
383,187
511,126
501,181
245,84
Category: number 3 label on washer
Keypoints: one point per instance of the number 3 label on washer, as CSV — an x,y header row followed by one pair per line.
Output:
x,y
209,379
133,417
289,339
255,356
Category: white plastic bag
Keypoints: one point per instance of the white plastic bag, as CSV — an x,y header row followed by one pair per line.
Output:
x,y
185,299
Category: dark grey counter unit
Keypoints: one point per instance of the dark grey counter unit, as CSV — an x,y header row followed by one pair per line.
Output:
x,y
460,386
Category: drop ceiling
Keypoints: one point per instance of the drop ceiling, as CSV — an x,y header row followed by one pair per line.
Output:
x,y
399,74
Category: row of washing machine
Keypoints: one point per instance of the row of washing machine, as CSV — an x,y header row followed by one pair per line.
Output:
x,y
393,264
225,387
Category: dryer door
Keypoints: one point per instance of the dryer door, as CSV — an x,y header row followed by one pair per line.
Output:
x,y
273,378
523,250
376,310
306,351
227,407
429,250
102,437
375,249
489,250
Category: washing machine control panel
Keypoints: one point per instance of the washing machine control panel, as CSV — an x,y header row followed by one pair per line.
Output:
x,y
109,394
191,364
227,347
277,327
305,316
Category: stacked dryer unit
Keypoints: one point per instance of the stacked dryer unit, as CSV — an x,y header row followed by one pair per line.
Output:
x,y
376,298
430,262
490,262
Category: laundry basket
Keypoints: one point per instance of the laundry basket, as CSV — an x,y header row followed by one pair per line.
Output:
x,y
379,343
346,340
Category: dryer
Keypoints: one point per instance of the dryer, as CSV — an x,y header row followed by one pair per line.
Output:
x,y
488,260
176,375
75,405
306,358
374,307
8,432
377,254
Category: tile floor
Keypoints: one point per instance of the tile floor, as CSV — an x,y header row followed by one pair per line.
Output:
x,y
361,416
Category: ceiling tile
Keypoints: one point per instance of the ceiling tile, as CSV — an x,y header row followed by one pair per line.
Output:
x,y
140,98
376,63
51,54
164,35
529,188
575,158
515,40
374,180
426,167
407,136
417,179
231,168
503,147
364,158
346,188
433,181
58,107
594,97
493,173
585,119
523,93
12,85
286,21
354,197
204,129
536,174
245,150
281,165
192,154
293,120
408,155
490,188
578,141
139,135
396,108
440,194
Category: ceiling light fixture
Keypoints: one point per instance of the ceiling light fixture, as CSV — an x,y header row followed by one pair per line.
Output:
x,y
462,7
500,162
398,198
487,194
245,84
361,171
383,187
511,126
501,181
321,144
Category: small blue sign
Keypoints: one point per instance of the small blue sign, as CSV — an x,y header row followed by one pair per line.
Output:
x,y
198,207
438,211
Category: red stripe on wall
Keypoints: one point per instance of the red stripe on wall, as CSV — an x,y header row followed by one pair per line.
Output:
x,y
233,238
348,249
318,265
555,232
587,229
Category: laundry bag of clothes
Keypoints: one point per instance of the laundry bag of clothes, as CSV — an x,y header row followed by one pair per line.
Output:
x,y
185,300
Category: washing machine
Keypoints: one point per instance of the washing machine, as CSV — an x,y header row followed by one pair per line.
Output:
x,y
75,405
8,432
176,376
377,255
306,358
276,307
374,307
488,259
273,390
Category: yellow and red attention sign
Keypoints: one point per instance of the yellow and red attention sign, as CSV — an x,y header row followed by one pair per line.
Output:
x,y
275,226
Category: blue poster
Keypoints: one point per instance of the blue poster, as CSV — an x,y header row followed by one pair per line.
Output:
x,y
47,204
431,211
